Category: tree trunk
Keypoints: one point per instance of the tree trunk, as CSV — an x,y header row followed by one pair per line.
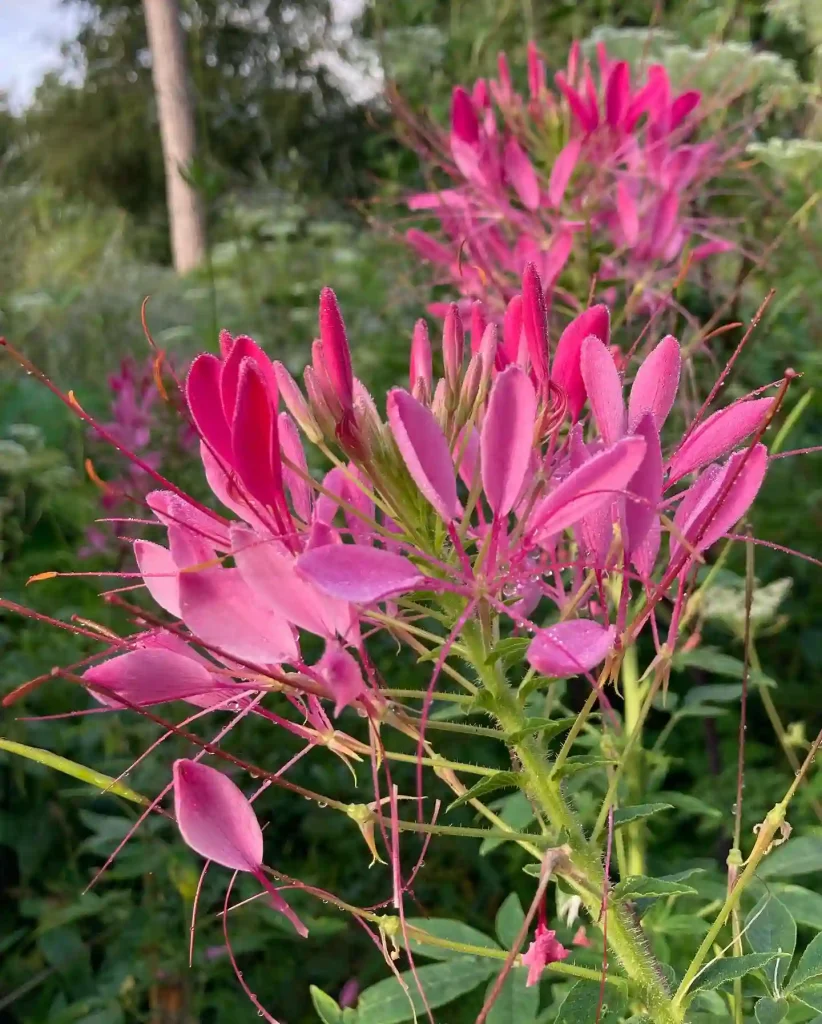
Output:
x,y
176,116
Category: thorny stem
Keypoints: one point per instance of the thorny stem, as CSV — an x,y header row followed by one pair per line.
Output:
x,y
624,937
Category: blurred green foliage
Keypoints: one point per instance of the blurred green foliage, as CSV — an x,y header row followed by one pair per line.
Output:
x,y
286,150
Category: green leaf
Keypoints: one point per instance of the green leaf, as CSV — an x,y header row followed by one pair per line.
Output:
x,y
769,928
511,651
510,918
387,1002
516,811
451,931
720,664
800,856
499,780
75,770
580,763
770,1011
642,887
327,1009
625,814
805,906
730,967
689,804
810,995
681,876
810,964
547,728
516,1003
580,1005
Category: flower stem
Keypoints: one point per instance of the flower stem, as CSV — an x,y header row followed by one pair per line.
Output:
x,y
624,937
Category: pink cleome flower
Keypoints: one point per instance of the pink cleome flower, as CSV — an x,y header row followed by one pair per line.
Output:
x,y
599,176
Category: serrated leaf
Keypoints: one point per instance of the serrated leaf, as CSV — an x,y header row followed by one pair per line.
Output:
x,y
625,814
511,651
327,1008
516,1003
643,887
809,967
516,811
769,928
770,1011
546,728
452,931
681,876
581,1003
800,856
731,967
488,784
580,763
510,917
388,1003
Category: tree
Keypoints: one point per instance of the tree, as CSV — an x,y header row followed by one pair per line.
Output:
x,y
176,115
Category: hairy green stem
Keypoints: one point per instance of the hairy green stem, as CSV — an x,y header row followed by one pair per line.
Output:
x,y
624,937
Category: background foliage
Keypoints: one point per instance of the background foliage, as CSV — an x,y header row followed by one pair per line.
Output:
x,y
286,150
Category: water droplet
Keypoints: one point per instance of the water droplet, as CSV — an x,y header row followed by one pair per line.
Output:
x,y
322,803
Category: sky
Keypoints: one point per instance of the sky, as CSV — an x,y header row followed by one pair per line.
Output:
x,y
31,32
30,35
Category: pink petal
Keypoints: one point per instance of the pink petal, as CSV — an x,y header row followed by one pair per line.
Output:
x,y
296,482
160,575
567,371
467,451
617,93
665,221
424,450
271,572
520,172
214,817
604,387
342,675
478,325
362,575
627,213
557,255
292,396
644,557
535,323
683,105
590,487
564,166
154,676
464,123
222,611
228,490
536,71
569,648
703,252
244,348
205,405
335,349
419,371
255,439
453,345
429,248
507,438
646,484
705,514
586,118
656,384
172,510
717,435
512,329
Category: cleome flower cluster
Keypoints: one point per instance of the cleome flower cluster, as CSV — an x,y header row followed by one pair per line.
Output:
x,y
524,490
601,173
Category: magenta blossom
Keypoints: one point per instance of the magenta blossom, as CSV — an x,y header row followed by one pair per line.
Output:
x,y
545,949
600,174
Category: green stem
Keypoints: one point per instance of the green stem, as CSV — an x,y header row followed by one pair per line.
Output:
x,y
624,937
570,970
632,691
